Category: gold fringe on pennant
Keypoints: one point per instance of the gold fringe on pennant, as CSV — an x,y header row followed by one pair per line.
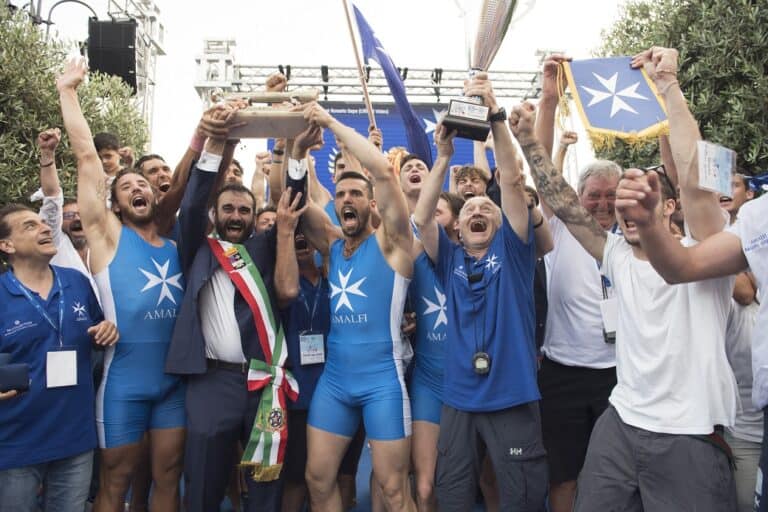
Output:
x,y
262,473
601,140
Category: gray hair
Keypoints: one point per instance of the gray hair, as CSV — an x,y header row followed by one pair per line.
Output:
x,y
601,168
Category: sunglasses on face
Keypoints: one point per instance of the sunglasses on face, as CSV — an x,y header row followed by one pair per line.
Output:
x,y
662,171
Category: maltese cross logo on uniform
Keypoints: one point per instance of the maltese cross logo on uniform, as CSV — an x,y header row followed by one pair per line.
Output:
x,y
492,262
617,103
79,310
344,289
437,307
162,280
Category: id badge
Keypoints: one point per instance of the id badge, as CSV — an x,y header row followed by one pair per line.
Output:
x,y
311,348
61,368
609,309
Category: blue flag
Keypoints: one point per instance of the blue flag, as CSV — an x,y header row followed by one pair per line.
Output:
x,y
418,142
615,100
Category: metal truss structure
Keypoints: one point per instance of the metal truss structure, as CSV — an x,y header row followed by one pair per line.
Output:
x,y
217,71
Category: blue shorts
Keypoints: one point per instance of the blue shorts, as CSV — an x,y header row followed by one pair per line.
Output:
x,y
132,401
380,398
426,402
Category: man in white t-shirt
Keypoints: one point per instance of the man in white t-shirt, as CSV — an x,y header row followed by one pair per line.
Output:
x,y
655,447
578,370
743,245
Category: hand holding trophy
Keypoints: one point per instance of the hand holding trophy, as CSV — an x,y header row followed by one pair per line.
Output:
x,y
468,115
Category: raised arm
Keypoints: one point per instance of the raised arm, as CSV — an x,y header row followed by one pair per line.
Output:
x,y
479,156
390,200
317,226
552,187
193,214
719,255
171,201
51,211
101,227
566,139
286,266
317,191
424,214
513,202
701,208
665,151
261,171
547,106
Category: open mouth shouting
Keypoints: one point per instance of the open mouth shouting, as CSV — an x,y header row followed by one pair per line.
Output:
x,y
478,225
139,202
234,229
164,187
45,241
414,178
348,216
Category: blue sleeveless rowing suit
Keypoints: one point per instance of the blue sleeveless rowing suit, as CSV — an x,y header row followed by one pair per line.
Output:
x,y
364,370
141,290
429,302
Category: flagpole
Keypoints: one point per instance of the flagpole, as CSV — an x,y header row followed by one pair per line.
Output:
x,y
367,99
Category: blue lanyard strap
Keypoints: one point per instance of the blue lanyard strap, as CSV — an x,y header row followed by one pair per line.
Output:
x,y
57,328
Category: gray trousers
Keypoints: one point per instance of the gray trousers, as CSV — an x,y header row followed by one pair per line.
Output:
x,y
511,438
631,469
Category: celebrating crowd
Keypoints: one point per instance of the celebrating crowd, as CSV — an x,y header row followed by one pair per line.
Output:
x,y
188,337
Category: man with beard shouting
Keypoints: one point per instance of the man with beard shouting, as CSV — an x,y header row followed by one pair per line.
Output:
x,y
228,313
141,285
369,274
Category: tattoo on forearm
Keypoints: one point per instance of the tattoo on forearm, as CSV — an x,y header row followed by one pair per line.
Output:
x,y
557,193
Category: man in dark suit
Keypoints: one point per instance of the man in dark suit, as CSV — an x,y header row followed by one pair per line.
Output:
x,y
217,335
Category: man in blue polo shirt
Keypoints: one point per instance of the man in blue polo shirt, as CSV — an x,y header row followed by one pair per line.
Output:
x,y
490,392
50,318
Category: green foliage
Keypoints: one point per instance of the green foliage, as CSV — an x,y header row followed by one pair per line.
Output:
x,y
723,72
29,104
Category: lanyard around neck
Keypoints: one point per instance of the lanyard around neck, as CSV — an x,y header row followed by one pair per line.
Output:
x,y
36,303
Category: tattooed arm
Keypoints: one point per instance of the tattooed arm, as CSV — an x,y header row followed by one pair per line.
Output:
x,y
552,187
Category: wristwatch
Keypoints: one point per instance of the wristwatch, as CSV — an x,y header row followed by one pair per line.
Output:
x,y
500,115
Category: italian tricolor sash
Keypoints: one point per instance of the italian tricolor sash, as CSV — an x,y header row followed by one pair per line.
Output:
x,y
269,435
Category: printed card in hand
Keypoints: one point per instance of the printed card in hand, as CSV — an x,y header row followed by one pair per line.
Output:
x,y
716,165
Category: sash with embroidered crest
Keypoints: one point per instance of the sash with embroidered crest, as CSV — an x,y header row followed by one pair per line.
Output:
x,y
266,447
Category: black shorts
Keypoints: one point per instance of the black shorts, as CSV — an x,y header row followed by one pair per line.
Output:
x,y
572,398
296,451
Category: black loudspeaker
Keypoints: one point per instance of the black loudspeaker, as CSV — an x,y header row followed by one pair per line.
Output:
x,y
112,49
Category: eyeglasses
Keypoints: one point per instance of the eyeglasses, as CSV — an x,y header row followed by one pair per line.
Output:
x,y
662,171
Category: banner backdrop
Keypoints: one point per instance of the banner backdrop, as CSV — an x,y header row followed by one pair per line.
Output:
x,y
390,123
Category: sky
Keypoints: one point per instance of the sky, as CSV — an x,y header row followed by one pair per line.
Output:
x,y
416,34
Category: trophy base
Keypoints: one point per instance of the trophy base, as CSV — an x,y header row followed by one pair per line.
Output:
x,y
468,128
469,119
267,123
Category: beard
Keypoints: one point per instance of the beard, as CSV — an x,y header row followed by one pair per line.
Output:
x,y
138,219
